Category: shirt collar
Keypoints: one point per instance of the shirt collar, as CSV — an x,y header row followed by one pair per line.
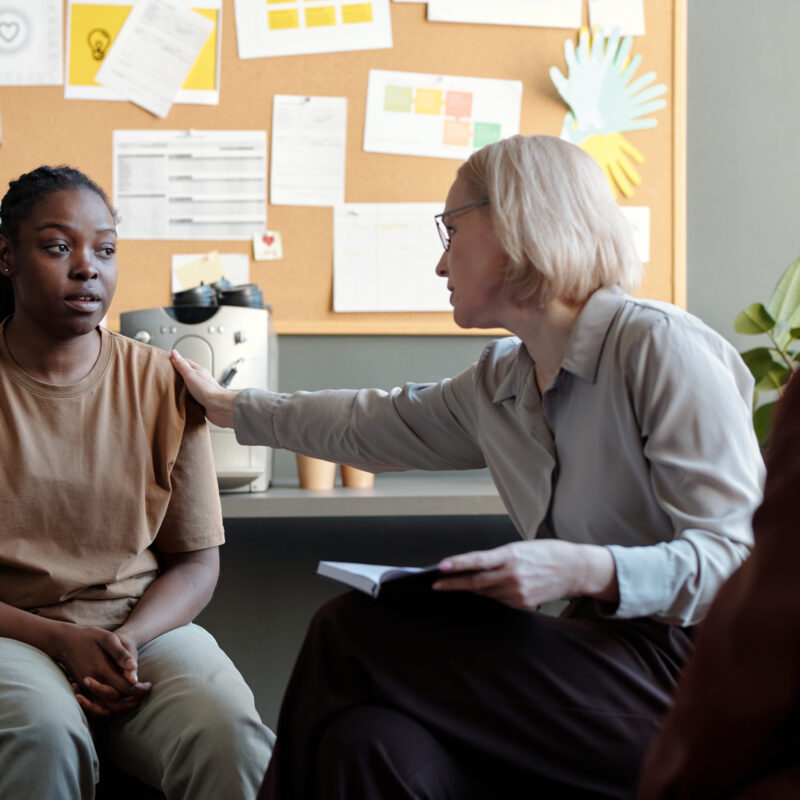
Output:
x,y
583,348
588,336
520,372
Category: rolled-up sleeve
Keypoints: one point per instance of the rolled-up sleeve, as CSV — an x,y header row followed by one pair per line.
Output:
x,y
692,397
416,426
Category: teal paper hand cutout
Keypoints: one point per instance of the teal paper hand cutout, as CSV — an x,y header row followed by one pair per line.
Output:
x,y
605,99
601,90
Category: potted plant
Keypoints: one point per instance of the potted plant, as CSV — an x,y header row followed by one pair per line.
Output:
x,y
772,365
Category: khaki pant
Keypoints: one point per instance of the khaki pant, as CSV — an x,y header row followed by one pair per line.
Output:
x,y
197,734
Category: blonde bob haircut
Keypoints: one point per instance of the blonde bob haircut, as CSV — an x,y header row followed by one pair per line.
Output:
x,y
555,217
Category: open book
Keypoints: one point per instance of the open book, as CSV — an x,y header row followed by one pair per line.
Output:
x,y
370,578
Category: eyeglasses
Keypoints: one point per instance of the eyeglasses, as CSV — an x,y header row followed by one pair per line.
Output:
x,y
444,234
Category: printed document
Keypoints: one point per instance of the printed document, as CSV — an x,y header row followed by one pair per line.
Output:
x,y
308,150
190,184
154,53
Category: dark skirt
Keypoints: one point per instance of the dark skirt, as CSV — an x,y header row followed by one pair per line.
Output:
x,y
433,695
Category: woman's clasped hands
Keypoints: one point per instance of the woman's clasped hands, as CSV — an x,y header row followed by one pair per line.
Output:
x,y
527,574
102,669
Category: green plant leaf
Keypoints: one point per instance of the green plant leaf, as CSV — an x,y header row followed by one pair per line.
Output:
x,y
753,319
774,378
784,305
759,361
762,421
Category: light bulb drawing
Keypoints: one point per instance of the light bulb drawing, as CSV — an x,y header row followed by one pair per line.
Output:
x,y
99,40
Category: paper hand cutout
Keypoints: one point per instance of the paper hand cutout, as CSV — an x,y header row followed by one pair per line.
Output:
x,y
605,100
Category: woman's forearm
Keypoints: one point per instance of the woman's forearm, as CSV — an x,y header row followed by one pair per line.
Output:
x,y
176,597
32,629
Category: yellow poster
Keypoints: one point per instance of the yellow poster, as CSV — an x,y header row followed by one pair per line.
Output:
x,y
91,33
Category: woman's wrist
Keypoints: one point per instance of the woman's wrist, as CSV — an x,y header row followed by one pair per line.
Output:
x,y
599,574
221,407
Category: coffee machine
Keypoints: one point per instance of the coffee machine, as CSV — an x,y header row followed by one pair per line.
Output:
x,y
231,335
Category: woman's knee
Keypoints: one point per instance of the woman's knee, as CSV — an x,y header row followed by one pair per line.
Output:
x,y
369,747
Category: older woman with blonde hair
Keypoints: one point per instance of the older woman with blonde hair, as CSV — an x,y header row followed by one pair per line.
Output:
x,y
618,434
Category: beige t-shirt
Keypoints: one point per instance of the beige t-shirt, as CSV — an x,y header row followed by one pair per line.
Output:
x,y
95,479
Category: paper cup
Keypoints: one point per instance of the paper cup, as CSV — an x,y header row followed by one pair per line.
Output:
x,y
356,478
315,473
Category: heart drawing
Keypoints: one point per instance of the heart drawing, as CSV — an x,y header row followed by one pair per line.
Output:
x,y
268,240
9,31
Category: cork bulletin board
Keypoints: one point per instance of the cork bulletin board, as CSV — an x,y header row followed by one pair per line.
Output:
x,y
39,126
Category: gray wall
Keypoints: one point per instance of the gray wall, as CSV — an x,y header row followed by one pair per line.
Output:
x,y
743,202
743,163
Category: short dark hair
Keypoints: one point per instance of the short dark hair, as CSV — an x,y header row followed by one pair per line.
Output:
x,y
22,195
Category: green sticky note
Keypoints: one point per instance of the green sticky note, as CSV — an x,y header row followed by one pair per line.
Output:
x,y
485,133
397,98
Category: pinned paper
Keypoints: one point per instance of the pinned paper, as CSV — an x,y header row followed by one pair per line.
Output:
x,y
219,191
308,150
267,246
94,25
31,39
627,16
638,218
154,52
190,270
541,13
445,116
385,256
207,269
295,27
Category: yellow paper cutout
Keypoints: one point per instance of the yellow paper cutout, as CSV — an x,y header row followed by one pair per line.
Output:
x,y
95,27
613,152
357,12
428,101
320,16
281,20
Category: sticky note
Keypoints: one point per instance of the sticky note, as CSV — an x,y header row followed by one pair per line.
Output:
x,y
458,104
485,133
357,12
398,98
281,20
428,101
319,16
456,132
207,269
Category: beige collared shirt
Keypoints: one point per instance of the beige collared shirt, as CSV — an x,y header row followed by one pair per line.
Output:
x,y
643,443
